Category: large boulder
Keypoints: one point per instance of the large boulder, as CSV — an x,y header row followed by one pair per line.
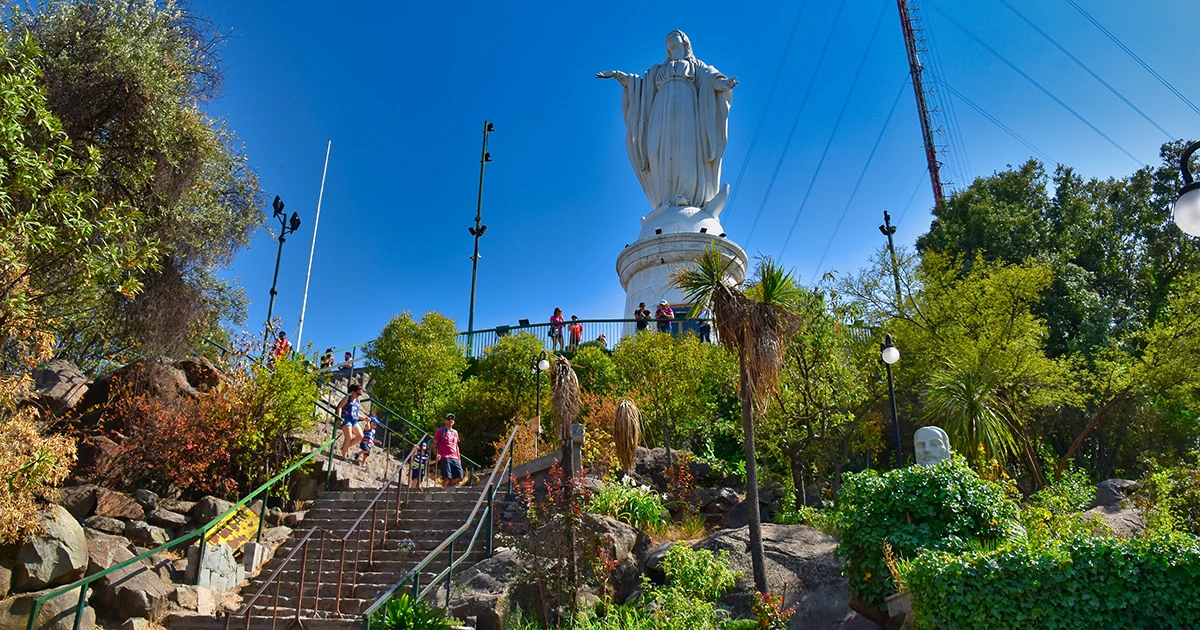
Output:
x,y
208,508
739,515
79,500
1114,493
624,543
218,569
1124,522
132,591
59,386
106,552
168,519
800,565
490,590
115,504
54,614
105,524
96,454
200,373
143,533
57,555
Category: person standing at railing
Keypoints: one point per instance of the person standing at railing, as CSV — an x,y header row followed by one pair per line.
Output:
x,y
705,324
576,331
282,347
327,359
417,473
556,330
603,341
642,315
351,414
445,441
664,315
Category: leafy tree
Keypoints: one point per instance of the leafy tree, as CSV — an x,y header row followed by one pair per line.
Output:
x,y
129,80
823,407
416,366
675,383
597,372
754,328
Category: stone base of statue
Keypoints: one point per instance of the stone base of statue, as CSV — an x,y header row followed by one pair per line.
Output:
x,y
645,267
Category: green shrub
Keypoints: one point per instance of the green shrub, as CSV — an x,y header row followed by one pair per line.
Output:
x,y
945,507
1071,492
405,613
1080,584
639,506
620,618
698,573
823,520
1171,498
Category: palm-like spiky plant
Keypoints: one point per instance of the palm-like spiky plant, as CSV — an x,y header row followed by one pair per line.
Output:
x,y
627,430
754,325
564,393
966,402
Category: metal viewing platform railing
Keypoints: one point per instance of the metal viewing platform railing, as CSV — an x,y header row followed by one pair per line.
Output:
x,y
607,331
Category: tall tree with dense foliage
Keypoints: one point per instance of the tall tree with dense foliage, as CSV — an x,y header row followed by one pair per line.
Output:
x,y
129,80
416,366
753,325
676,383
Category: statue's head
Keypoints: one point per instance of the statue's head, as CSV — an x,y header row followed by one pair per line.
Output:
x,y
931,446
679,46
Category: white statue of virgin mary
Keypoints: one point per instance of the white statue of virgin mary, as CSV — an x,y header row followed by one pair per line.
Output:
x,y
676,127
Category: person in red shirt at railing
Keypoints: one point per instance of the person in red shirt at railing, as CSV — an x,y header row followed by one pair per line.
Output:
x,y
576,330
445,442
556,330
664,315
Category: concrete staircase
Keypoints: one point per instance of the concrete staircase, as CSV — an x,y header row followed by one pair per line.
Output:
x,y
428,518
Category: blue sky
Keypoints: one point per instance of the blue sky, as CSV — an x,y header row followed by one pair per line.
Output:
x,y
402,90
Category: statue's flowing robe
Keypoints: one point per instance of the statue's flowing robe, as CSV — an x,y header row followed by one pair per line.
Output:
x,y
676,127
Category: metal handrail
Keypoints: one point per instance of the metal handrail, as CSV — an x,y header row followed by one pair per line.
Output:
x,y
84,584
489,491
373,508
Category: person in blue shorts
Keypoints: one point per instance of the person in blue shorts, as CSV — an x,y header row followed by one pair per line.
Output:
x,y
445,440
368,440
351,414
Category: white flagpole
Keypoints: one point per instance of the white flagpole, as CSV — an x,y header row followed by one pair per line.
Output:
x,y
313,247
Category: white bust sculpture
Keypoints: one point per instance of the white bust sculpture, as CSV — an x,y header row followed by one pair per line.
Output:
x,y
675,120
931,446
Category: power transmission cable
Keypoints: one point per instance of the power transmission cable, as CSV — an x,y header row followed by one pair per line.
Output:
x,y
833,134
766,106
796,121
1030,79
861,175
1079,63
1134,56
996,121
913,196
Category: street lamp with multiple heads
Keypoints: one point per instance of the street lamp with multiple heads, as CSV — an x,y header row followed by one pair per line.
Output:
x,y
890,354
540,364
286,226
1187,207
479,229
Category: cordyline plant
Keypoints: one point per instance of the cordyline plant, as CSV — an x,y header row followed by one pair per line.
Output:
x,y
753,325
564,389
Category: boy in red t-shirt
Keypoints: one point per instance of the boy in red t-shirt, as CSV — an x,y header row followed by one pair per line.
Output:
x,y
576,330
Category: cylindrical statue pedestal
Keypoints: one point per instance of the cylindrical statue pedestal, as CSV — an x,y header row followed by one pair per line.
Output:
x,y
646,267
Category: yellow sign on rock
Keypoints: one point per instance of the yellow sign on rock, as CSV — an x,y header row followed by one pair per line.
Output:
x,y
235,529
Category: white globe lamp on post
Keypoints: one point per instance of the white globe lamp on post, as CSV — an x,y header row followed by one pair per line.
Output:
x,y
890,354
1187,207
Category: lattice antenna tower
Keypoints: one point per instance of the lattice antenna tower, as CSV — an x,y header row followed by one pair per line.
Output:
x,y
914,44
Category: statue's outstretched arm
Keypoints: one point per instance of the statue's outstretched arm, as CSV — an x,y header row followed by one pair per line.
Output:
x,y
724,84
621,77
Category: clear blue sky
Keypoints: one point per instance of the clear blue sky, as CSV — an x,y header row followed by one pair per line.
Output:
x,y
402,89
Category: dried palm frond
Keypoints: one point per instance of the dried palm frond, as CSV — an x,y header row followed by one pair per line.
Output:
x,y
627,430
564,389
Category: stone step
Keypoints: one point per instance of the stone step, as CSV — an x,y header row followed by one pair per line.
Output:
x,y
343,525
389,568
382,549
438,510
259,622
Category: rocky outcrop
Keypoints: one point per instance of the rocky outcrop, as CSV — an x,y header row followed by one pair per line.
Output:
x,y
208,508
1114,493
56,555
133,591
1123,522
143,533
115,504
800,565
627,545
59,386
54,614
490,590
80,501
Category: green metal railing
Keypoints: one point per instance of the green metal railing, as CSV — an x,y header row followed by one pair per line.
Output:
x,y
447,575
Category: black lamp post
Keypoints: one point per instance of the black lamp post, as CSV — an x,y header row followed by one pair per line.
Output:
x,y
285,227
890,354
540,364
1187,208
479,228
